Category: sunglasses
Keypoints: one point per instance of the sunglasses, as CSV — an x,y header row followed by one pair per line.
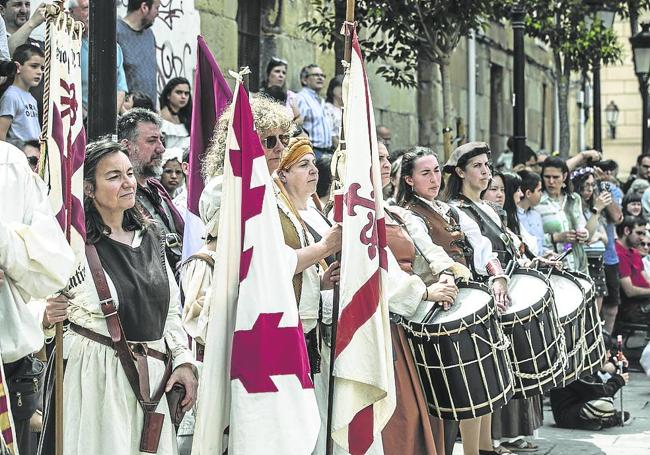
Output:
x,y
279,60
644,244
32,160
272,141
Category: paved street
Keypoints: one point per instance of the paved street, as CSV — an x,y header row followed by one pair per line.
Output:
x,y
632,439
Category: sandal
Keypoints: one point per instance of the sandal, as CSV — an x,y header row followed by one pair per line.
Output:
x,y
495,451
520,445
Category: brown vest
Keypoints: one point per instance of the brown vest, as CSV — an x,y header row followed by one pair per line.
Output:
x,y
292,238
445,234
400,244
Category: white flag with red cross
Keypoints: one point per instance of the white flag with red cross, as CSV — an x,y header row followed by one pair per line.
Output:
x,y
255,384
364,394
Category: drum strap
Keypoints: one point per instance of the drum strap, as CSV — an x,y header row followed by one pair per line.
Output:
x,y
488,226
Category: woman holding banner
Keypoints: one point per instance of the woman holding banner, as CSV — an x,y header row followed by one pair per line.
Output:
x,y
126,291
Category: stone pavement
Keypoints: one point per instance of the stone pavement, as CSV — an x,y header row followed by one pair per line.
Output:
x,y
632,439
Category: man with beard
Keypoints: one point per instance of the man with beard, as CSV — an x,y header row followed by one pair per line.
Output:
x,y
635,282
139,131
138,44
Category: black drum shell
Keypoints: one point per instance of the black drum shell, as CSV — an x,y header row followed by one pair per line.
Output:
x,y
484,382
574,330
594,345
540,320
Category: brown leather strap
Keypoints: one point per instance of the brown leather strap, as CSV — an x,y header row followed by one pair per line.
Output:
x,y
124,352
106,341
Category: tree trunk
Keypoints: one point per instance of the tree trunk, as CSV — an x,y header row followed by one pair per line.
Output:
x,y
445,81
428,132
563,106
447,120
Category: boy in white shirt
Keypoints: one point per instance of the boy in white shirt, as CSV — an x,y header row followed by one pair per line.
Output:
x,y
18,108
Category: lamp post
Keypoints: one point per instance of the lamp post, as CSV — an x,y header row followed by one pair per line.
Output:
x,y
611,115
102,108
518,13
641,52
602,11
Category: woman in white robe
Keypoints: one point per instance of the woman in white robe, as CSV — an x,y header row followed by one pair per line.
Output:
x,y
102,414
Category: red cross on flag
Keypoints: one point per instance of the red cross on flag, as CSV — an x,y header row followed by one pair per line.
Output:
x,y
255,384
364,394
65,137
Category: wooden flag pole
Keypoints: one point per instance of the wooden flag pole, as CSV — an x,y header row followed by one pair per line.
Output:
x,y
56,8
347,55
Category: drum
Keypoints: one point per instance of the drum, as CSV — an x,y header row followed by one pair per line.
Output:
x,y
570,304
594,347
461,356
537,346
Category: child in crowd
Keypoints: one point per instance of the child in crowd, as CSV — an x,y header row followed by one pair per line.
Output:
x,y
18,108
172,177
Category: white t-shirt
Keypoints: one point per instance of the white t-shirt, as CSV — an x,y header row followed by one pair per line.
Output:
x,y
22,108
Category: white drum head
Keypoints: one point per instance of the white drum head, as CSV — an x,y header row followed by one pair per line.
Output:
x,y
468,301
586,284
568,295
524,291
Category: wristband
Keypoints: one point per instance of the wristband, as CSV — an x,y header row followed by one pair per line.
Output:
x,y
426,294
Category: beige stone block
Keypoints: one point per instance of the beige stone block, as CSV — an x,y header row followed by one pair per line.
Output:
x,y
227,8
617,72
218,30
630,117
632,86
626,101
294,13
612,87
628,131
402,133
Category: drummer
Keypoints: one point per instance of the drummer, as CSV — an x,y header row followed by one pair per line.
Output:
x,y
470,177
411,430
419,185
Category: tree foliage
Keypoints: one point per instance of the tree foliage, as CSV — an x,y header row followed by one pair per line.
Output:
x,y
398,33
561,24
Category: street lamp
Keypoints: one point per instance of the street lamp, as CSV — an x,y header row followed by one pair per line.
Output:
x,y
602,11
641,52
518,14
611,115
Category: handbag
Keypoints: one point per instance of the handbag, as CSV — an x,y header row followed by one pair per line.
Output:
x,y
174,398
24,386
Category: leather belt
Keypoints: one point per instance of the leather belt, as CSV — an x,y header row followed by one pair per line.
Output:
x,y
140,348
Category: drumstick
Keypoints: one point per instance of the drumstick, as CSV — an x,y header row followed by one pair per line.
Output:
x,y
619,364
560,258
433,312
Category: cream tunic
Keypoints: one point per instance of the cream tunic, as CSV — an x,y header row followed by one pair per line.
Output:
x,y
34,255
102,414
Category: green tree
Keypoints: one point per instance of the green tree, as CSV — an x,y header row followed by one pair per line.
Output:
x,y
407,37
575,45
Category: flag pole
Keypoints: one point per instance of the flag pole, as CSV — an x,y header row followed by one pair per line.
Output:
x,y
58,335
347,56
53,11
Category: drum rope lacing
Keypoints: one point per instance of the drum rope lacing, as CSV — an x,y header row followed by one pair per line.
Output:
x,y
561,345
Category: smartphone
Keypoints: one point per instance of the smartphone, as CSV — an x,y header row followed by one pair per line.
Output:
x,y
605,186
